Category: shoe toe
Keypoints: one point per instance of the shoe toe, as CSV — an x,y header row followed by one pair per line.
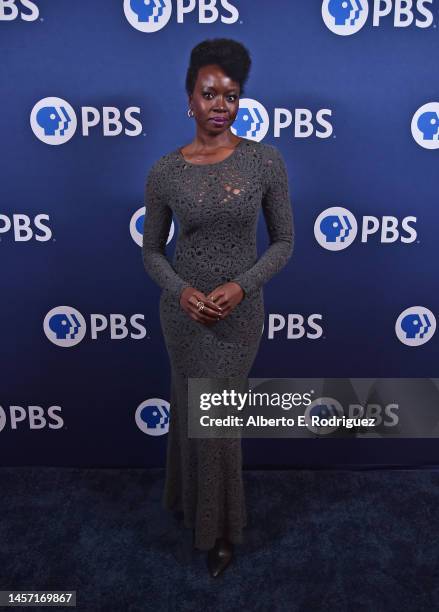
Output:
x,y
218,558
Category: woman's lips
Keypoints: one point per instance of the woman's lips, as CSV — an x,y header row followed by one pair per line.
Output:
x,y
218,119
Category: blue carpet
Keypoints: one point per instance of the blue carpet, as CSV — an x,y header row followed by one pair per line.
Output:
x,y
316,540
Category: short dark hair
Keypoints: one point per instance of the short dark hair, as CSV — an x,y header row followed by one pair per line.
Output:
x,y
230,55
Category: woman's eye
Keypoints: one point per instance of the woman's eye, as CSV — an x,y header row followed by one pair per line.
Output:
x,y
233,97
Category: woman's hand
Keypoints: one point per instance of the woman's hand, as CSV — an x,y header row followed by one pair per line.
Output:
x,y
227,296
211,312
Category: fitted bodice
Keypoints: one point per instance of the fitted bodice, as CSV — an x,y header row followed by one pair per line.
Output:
x,y
216,207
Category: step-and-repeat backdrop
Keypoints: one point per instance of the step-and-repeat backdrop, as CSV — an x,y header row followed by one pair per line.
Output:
x,y
92,93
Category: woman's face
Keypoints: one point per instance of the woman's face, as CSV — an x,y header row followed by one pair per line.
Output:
x,y
214,95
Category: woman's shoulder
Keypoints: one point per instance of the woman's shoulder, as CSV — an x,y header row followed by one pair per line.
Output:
x,y
271,151
264,150
161,165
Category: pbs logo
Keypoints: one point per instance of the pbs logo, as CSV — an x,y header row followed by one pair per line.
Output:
x,y
20,227
335,228
152,416
345,17
64,326
415,326
147,15
31,417
425,126
152,15
295,326
53,120
252,120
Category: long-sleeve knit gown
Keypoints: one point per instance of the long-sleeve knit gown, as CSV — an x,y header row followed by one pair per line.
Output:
x,y
217,207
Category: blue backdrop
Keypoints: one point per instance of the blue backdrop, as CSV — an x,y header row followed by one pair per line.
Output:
x,y
92,93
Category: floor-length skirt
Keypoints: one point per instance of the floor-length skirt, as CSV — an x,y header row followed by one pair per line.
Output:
x,y
204,475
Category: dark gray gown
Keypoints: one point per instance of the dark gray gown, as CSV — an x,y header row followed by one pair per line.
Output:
x,y
217,207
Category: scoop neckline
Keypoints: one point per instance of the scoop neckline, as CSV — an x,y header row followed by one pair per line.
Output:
x,y
213,163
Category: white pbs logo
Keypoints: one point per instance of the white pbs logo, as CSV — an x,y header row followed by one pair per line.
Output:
x,y
425,126
345,17
415,326
64,326
147,15
335,228
252,120
53,120
152,416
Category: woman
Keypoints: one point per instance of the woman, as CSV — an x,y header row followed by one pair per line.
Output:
x,y
211,306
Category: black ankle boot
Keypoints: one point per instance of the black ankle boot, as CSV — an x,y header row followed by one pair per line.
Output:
x,y
219,557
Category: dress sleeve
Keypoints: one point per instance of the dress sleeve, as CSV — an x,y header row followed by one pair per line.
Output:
x,y
158,218
276,206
